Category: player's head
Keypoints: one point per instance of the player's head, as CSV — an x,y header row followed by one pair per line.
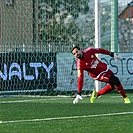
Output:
x,y
77,52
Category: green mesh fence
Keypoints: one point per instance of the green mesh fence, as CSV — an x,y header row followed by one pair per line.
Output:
x,y
36,37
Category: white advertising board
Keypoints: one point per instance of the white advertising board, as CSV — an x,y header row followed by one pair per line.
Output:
x,y
67,75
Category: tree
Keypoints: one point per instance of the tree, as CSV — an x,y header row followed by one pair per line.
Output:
x,y
70,21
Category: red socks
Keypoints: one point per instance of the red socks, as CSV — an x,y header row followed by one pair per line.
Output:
x,y
105,90
109,88
121,90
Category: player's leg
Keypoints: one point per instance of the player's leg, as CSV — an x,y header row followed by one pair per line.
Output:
x,y
116,82
103,91
105,77
109,87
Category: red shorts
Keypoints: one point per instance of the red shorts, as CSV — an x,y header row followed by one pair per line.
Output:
x,y
104,77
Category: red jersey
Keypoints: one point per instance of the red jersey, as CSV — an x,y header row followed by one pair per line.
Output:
x,y
91,64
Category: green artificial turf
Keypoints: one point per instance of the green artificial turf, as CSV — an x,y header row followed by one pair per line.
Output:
x,y
108,114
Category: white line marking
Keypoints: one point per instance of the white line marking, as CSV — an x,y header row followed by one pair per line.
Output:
x,y
115,96
33,100
62,118
19,101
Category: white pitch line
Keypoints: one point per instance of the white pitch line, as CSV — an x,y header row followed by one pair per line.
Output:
x,y
19,101
63,118
24,101
115,96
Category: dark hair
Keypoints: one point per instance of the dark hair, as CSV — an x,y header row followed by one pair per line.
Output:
x,y
75,47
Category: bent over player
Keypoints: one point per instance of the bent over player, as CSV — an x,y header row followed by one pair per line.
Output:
x,y
87,60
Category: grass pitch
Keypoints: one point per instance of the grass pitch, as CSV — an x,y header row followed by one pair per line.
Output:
x,y
108,114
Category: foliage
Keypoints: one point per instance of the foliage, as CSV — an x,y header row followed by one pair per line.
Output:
x,y
71,22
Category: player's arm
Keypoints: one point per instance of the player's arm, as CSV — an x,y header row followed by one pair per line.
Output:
x,y
100,51
80,86
112,54
103,51
80,81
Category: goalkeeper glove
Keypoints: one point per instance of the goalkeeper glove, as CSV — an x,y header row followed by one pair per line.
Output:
x,y
76,100
116,56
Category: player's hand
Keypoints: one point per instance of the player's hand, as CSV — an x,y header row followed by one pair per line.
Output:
x,y
117,57
76,100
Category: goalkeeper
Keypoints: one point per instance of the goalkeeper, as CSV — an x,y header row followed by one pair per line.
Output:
x,y
87,60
